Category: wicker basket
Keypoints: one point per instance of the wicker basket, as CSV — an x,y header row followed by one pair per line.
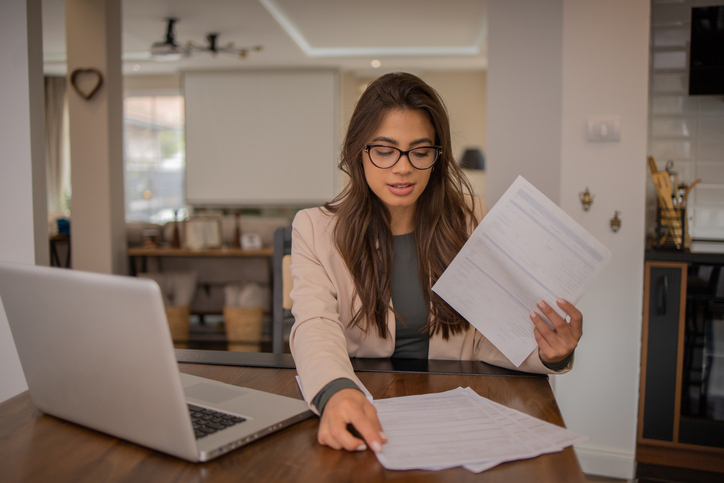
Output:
x,y
178,322
243,327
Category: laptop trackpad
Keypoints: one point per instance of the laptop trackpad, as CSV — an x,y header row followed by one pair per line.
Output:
x,y
212,393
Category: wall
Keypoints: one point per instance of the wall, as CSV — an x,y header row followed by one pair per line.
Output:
x,y
600,398
524,96
687,130
152,85
22,162
595,64
460,90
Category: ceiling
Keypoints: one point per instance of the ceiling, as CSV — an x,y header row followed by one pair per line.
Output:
x,y
343,34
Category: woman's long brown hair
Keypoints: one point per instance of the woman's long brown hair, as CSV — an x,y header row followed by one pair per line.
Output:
x,y
442,221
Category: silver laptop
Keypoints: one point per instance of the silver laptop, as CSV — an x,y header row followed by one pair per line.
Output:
x,y
96,350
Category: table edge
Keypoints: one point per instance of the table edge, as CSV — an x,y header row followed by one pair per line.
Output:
x,y
286,361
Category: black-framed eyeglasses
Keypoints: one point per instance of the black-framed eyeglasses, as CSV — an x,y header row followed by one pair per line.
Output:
x,y
385,157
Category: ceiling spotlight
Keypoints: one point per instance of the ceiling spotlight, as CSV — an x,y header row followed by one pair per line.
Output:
x,y
375,64
136,67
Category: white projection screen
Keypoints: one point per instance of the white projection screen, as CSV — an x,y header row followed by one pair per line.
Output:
x,y
261,137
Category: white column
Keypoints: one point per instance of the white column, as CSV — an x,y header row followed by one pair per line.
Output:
x,y
605,73
23,217
553,64
93,38
524,95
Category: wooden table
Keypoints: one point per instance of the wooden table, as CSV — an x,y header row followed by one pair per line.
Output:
x,y
36,447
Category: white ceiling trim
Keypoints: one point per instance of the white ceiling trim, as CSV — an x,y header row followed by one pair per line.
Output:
x,y
290,28
125,57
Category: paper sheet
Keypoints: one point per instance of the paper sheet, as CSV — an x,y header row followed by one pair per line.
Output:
x,y
441,430
461,428
542,436
526,249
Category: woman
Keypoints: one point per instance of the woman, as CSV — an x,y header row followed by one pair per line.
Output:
x,y
363,265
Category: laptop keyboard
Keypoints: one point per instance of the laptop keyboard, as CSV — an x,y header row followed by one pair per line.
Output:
x,y
208,421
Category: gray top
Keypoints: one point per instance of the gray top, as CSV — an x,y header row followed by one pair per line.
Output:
x,y
411,339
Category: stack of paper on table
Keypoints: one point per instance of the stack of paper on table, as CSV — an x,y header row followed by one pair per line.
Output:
x,y
526,249
461,428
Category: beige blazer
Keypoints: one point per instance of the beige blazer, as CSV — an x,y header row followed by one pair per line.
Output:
x,y
321,341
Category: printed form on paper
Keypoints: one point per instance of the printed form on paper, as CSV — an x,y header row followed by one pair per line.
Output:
x,y
526,249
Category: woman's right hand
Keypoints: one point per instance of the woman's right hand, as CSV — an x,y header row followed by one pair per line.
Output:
x,y
350,406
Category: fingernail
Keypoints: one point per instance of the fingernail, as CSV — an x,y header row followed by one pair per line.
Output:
x,y
561,302
533,315
541,305
384,436
376,447
361,447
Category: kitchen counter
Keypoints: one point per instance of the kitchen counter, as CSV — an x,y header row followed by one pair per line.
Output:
x,y
701,252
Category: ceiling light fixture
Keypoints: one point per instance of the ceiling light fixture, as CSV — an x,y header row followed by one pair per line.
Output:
x,y
169,50
229,48
375,64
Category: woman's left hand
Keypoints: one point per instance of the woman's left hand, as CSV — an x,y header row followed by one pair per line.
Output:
x,y
557,343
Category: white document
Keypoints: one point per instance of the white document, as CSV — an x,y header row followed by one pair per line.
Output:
x,y
436,431
540,435
461,428
526,249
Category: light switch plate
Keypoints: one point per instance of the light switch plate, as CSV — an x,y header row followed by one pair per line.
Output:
x,y
603,129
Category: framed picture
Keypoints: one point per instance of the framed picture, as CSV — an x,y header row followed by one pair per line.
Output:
x,y
203,232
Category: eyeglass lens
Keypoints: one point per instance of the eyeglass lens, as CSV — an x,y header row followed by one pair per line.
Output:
x,y
386,156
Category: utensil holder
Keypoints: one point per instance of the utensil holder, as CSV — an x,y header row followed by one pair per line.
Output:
x,y
671,229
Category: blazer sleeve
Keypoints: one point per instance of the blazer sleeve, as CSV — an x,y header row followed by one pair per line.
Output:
x,y
487,352
317,340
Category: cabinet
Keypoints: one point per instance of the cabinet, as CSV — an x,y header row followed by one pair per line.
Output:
x,y
669,433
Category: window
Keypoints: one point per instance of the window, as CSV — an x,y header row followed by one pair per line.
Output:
x,y
155,157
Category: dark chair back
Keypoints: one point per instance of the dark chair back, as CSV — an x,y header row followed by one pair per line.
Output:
x,y
280,313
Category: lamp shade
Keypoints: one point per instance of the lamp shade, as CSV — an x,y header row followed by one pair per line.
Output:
x,y
472,159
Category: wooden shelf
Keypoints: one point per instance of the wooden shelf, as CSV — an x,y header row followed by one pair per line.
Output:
x,y
207,252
